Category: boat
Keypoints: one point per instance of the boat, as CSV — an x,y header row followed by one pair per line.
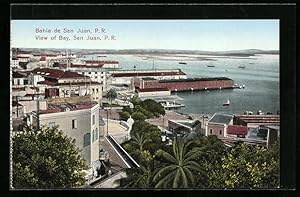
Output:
x,y
182,62
227,103
242,66
101,56
210,66
171,104
251,62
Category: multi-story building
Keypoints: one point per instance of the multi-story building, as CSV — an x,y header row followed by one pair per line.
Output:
x,y
80,121
59,83
20,78
14,62
96,73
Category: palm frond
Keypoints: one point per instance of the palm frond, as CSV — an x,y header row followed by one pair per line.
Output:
x,y
164,170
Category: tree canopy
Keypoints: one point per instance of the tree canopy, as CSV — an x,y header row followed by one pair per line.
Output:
x,y
111,95
143,109
46,158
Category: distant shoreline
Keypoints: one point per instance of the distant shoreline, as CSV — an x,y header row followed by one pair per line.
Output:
x,y
235,53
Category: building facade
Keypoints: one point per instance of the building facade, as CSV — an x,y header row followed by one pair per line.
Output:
x,y
217,125
79,121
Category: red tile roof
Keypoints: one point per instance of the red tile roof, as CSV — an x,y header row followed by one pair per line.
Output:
x,y
259,118
237,130
55,83
55,108
16,74
56,73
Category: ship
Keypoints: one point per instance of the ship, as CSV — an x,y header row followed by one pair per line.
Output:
x,y
227,103
182,62
242,66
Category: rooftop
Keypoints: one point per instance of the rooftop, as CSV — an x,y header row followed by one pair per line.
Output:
x,y
195,79
101,62
221,118
152,89
147,74
55,108
56,73
237,130
17,74
54,83
259,118
43,58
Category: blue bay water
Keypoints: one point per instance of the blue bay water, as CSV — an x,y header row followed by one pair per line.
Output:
x,y
261,80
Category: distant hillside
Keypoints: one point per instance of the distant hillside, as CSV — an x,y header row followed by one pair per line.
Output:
x,y
247,52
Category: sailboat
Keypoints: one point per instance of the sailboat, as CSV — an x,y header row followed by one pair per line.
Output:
x,y
227,103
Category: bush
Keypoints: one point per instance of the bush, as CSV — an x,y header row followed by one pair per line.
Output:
x,y
138,116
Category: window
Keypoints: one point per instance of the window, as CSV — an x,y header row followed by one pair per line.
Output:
x,y
220,132
89,72
97,90
18,81
210,131
96,137
74,124
51,125
96,73
93,136
25,82
93,119
86,139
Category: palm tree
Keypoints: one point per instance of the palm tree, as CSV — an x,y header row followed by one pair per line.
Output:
x,y
111,95
140,140
181,167
137,178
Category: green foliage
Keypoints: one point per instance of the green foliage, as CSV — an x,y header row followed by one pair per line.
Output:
x,y
203,162
246,167
46,158
148,108
138,116
140,139
181,166
124,115
154,107
111,95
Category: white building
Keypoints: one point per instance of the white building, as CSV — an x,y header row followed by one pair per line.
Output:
x,y
66,83
95,74
125,77
14,62
79,121
150,92
103,63
23,57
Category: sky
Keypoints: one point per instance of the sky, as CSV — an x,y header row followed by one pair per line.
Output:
x,y
206,35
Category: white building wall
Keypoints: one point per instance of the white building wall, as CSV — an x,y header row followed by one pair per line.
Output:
x,y
84,126
157,93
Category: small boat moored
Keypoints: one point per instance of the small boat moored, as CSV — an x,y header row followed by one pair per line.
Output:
x,y
227,103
